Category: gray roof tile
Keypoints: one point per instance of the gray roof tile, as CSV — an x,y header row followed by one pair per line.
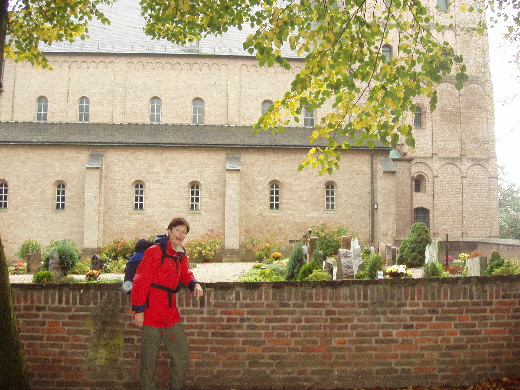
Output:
x,y
169,135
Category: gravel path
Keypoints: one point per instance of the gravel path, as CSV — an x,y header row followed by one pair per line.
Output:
x,y
204,272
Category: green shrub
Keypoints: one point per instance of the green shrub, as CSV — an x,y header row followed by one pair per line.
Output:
x,y
307,269
318,275
204,247
507,268
118,249
495,262
67,253
329,238
81,268
318,256
369,266
28,246
261,275
262,247
44,277
296,261
413,247
433,270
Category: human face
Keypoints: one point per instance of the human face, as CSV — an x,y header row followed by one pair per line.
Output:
x,y
177,235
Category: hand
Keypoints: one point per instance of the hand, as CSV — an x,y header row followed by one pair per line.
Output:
x,y
139,319
197,291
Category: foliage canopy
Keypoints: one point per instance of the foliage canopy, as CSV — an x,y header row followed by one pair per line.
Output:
x,y
364,96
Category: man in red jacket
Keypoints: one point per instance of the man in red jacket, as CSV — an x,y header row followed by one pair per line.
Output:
x,y
155,283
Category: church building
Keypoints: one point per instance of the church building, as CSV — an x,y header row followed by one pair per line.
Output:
x,y
126,132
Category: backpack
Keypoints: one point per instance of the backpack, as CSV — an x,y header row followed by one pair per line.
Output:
x,y
133,262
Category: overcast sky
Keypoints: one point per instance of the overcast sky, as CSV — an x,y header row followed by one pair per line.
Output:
x,y
506,90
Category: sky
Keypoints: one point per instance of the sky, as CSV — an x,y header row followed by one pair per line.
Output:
x,y
505,75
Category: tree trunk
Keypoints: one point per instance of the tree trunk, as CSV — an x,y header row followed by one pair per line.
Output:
x,y
13,374
3,36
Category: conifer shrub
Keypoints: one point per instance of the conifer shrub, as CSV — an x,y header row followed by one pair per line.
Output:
x,y
495,262
318,256
413,247
296,262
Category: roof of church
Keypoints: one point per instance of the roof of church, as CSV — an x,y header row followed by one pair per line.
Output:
x,y
125,35
166,135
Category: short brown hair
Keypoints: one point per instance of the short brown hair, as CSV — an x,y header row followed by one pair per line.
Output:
x,y
177,222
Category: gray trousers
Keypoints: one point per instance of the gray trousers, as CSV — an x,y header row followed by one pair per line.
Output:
x,y
177,345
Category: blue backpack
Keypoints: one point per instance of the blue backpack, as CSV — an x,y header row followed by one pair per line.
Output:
x,y
133,262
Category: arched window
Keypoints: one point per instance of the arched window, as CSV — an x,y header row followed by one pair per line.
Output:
x,y
84,109
387,52
442,4
418,118
155,110
274,196
330,196
60,196
421,214
195,197
42,109
308,116
265,106
4,194
419,184
197,117
139,196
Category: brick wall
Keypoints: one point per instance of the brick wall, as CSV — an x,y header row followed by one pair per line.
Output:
x,y
321,335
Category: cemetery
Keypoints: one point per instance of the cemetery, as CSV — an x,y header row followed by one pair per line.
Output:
x,y
338,332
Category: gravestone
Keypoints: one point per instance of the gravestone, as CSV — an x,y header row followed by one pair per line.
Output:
x,y
328,267
432,252
34,261
345,268
356,255
476,265
54,263
95,263
313,240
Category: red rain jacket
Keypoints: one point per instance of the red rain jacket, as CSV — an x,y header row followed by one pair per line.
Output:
x,y
159,306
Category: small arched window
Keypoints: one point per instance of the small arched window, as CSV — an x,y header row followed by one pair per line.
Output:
x,y
274,196
139,196
84,109
4,194
60,196
42,109
330,196
421,214
418,118
197,112
265,106
387,52
195,197
155,110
